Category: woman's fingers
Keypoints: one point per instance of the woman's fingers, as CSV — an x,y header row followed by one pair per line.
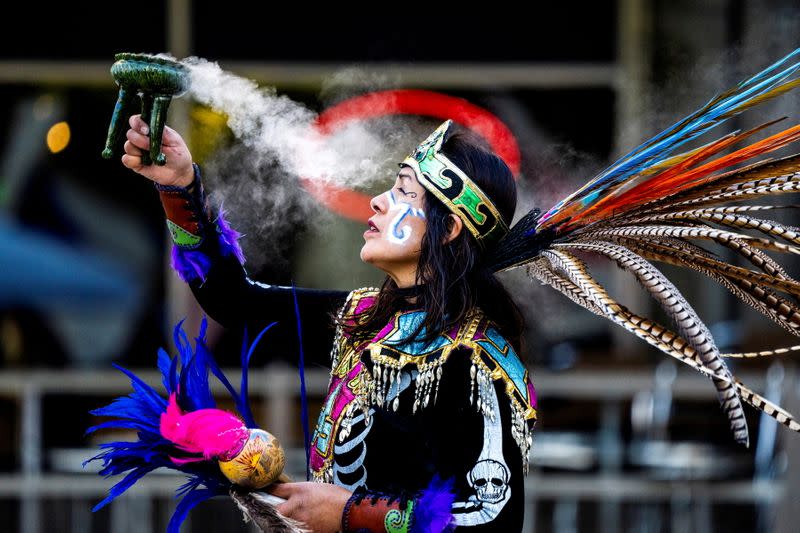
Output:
x,y
281,490
178,168
286,491
288,508
138,140
171,137
138,124
132,162
131,149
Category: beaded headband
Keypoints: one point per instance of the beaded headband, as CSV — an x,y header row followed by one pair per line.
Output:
x,y
455,189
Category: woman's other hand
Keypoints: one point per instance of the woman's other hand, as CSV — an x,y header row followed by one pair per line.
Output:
x,y
178,169
318,505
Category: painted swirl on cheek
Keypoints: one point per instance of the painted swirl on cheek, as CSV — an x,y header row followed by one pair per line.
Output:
x,y
398,233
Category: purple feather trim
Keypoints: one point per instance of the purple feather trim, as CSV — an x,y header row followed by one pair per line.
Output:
x,y
229,237
432,513
191,264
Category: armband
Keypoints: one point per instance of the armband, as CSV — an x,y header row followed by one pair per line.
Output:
x,y
185,210
189,224
378,512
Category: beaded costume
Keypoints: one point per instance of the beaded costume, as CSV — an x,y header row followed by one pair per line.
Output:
x,y
381,372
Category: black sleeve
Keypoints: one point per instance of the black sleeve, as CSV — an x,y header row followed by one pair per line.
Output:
x,y
207,256
231,298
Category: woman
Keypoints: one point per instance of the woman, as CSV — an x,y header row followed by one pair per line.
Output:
x,y
429,411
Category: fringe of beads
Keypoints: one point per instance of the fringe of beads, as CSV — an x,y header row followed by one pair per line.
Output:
x,y
482,397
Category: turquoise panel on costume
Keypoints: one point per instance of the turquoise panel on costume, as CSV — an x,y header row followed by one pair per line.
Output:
x,y
407,323
324,425
501,351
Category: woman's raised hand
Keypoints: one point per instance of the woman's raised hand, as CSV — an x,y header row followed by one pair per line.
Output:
x,y
178,169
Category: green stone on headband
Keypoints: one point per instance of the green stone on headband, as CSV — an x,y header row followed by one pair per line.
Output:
x,y
455,189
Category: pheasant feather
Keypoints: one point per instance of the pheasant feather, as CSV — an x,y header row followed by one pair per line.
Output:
x,y
658,203
577,272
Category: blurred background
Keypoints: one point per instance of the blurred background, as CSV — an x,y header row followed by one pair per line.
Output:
x,y
626,440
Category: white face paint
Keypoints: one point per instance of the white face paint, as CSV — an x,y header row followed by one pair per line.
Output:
x,y
398,232
393,242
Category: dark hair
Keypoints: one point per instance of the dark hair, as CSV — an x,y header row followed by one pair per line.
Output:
x,y
454,278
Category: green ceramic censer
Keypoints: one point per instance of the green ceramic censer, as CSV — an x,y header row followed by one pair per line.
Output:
x,y
152,80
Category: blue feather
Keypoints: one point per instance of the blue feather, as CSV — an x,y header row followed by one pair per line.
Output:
x,y
658,148
165,365
191,484
700,121
178,338
173,375
203,328
214,368
121,456
126,483
185,398
191,500
301,368
200,390
244,396
122,424
150,398
182,342
126,408
240,401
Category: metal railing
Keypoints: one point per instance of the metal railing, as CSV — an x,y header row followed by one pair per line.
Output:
x,y
276,389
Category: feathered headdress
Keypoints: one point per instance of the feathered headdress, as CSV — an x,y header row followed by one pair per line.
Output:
x,y
185,431
652,204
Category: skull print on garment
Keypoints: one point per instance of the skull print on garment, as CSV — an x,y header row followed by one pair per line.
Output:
x,y
488,478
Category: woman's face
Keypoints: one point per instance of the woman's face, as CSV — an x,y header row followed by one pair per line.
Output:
x,y
394,238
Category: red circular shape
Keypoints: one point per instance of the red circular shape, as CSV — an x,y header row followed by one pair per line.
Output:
x,y
355,205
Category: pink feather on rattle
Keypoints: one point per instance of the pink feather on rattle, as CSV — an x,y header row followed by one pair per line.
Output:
x,y
214,433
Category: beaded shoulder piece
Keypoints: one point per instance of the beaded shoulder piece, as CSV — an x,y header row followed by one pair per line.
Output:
x,y
343,353
346,391
493,359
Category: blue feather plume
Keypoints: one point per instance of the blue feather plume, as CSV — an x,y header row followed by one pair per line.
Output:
x,y
187,374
